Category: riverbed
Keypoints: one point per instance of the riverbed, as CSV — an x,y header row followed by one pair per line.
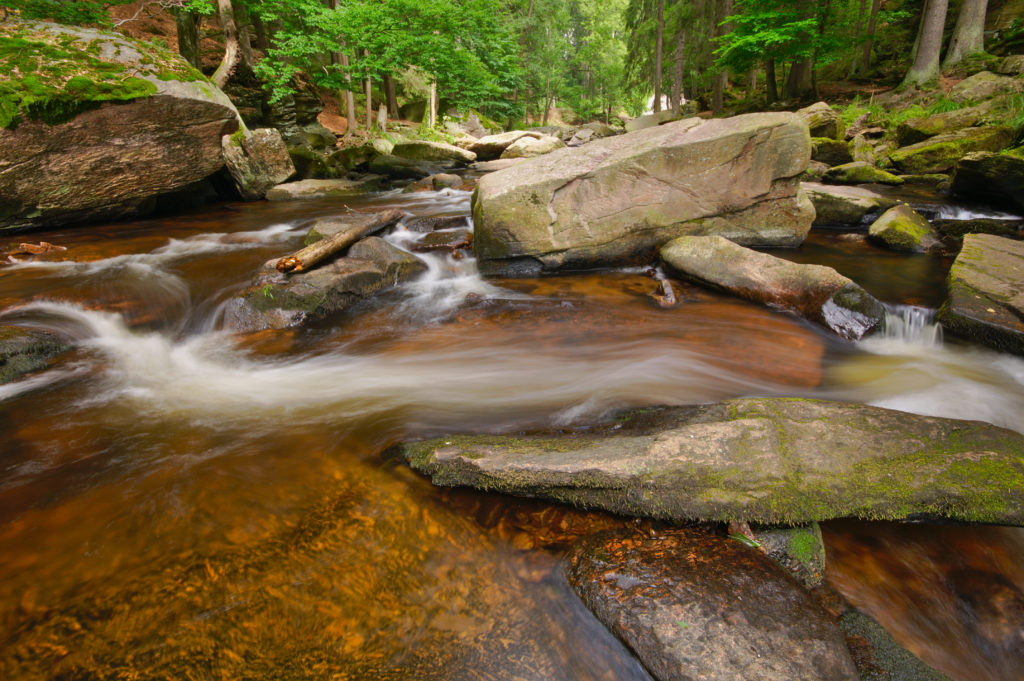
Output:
x,y
178,501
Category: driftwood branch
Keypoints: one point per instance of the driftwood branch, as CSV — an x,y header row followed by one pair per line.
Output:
x,y
356,229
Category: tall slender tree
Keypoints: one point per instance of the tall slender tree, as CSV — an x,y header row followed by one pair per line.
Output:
x,y
925,68
969,33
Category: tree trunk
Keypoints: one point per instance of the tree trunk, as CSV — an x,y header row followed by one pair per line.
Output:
x,y
926,62
800,81
433,104
231,51
350,98
869,38
752,82
188,24
259,33
969,34
247,62
677,81
657,56
389,92
308,257
857,36
722,77
547,98
771,87
369,95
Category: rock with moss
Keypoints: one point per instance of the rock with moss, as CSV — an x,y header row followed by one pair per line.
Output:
x,y
862,149
841,205
995,178
95,125
831,151
257,161
958,229
917,130
1012,65
823,120
325,189
939,181
441,153
616,200
860,172
813,291
986,293
800,551
528,146
815,172
311,164
773,461
985,85
24,351
901,228
692,605
878,656
941,153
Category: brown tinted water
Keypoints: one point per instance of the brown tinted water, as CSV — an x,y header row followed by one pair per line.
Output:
x,y
179,502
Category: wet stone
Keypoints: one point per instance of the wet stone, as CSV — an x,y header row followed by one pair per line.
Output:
x,y
23,351
447,240
693,605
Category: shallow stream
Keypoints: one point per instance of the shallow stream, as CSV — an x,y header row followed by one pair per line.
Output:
x,y
180,502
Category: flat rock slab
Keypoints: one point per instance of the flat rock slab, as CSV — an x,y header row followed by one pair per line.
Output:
x,y
815,292
781,461
324,189
616,200
695,606
940,153
838,205
986,293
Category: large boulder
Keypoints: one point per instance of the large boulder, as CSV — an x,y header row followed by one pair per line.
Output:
x,y
325,189
940,153
784,461
257,161
651,120
831,151
434,152
491,147
692,605
919,129
835,205
986,293
400,168
813,291
119,124
528,147
991,177
901,228
984,85
617,199
823,120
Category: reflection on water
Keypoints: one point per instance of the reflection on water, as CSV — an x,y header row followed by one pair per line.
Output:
x,y
179,502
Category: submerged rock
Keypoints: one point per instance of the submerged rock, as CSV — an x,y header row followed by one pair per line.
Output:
x,y
996,178
860,172
615,200
23,351
941,153
901,228
325,189
986,293
774,461
257,161
813,291
136,123
836,205
695,606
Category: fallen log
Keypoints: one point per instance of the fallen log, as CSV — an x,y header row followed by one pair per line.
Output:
x,y
354,229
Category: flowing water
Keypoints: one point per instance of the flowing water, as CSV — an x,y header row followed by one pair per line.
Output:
x,y
181,502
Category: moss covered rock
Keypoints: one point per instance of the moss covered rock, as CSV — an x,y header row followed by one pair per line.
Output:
x,y
995,178
860,172
776,461
812,291
986,293
831,151
919,129
901,228
325,189
434,152
24,351
99,124
257,161
941,153
984,85
821,119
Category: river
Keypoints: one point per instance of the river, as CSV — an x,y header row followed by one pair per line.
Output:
x,y
181,502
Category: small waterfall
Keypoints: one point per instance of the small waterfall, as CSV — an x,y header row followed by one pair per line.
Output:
x,y
911,325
